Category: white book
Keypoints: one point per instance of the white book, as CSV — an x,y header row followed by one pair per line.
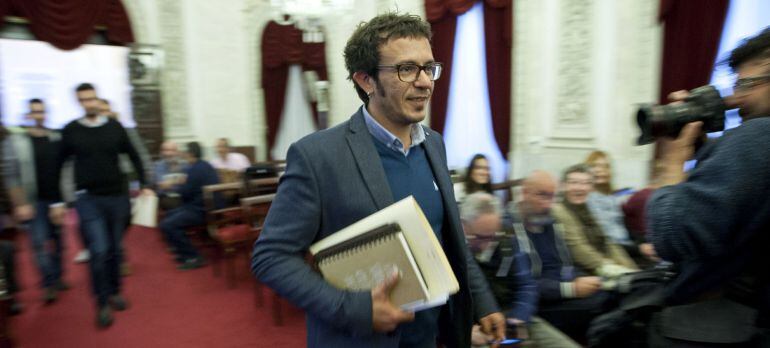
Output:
x,y
432,266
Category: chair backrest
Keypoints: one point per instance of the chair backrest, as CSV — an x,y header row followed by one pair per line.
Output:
x,y
229,176
222,204
255,208
256,187
508,187
215,196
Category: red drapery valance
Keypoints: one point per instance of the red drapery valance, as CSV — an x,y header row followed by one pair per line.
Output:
x,y
498,34
282,46
67,24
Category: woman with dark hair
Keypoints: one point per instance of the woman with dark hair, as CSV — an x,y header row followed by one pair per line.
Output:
x,y
477,178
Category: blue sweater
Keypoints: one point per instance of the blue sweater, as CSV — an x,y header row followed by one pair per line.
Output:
x,y
716,225
412,175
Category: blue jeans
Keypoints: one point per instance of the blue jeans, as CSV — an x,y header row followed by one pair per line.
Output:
x,y
174,227
103,219
48,256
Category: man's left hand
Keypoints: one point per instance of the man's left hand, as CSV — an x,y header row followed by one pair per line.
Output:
x,y
494,325
147,192
24,212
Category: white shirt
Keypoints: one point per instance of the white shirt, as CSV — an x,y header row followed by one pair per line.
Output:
x,y
234,161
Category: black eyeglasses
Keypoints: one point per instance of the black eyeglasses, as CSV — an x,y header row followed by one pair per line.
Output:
x,y
747,83
410,72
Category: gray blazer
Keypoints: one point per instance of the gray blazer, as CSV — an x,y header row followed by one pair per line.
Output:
x,y
334,178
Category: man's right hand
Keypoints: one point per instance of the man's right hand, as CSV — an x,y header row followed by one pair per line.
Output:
x,y
586,286
385,315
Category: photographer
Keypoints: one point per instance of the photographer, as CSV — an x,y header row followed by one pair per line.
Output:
x,y
714,223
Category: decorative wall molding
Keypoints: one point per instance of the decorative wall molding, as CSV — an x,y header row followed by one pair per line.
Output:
x,y
174,76
580,69
571,123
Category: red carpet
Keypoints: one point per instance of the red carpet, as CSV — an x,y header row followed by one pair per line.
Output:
x,y
168,307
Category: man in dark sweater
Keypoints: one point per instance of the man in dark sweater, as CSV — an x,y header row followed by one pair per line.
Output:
x,y
569,299
37,149
715,222
95,142
198,174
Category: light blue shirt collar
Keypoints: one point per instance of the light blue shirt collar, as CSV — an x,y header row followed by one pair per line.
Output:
x,y
386,137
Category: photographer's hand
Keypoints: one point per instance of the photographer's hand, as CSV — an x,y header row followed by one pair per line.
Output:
x,y
674,152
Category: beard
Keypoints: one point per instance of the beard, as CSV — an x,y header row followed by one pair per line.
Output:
x,y
91,112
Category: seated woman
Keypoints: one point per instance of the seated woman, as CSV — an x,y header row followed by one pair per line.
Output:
x,y
477,178
606,207
591,249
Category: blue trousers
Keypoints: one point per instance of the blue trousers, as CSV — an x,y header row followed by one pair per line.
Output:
x,y
103,219
173,227
47,243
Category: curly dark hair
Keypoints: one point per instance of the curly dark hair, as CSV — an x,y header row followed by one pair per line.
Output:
x,y
362,50
751,48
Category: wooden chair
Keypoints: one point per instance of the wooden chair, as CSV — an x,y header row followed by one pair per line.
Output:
x,y
507,186
255,209
224,218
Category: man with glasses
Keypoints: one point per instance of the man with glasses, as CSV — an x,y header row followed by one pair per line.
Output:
x,y
338,176
569,298
714,222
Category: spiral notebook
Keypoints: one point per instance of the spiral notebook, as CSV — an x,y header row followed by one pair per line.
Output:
x,y
413,243
365,261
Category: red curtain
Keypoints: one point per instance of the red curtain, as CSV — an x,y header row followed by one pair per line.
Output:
x,y
498,33
498,29
692,32
282,46
67,24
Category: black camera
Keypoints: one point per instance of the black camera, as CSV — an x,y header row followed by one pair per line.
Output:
x,y
703,104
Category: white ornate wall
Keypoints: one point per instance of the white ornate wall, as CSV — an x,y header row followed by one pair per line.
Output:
x,y
580,67
211,80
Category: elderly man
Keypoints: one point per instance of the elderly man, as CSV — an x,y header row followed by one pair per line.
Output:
x,y
569,299
169,165
340,175
505,267
168,170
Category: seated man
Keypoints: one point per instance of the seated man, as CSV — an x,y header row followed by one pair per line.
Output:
x,y
228,160
568,300
590,247
168,169
191,213
505,268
